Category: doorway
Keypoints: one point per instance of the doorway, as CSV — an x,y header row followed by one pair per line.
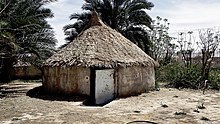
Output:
x,y
102,86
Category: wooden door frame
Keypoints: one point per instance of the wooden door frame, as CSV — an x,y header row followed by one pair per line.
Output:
x,y
92,85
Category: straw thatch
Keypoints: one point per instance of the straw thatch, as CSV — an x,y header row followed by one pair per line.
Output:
x,y
21,63
100,46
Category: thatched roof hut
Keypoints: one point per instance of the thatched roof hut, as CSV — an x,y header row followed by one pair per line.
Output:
x,y
99,51
25,70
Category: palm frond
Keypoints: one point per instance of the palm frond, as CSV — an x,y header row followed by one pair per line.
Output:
x,y
132,3
67,27
140,17
80,16
77,25
87,6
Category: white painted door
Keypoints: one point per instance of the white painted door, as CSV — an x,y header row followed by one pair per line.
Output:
x,y
104,86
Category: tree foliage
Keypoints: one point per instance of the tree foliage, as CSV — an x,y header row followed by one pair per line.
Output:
x,y
24,33
129,17
162,49
194,69
186,47
209,44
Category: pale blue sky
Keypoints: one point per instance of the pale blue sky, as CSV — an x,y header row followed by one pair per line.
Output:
x,y
184,15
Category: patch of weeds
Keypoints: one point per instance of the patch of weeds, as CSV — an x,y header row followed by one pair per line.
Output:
x,y
137,111
16,119
205,119
201,106
196,110
179,113
163,105
157,87
144,95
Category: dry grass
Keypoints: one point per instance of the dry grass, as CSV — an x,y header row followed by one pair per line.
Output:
x,y
144,108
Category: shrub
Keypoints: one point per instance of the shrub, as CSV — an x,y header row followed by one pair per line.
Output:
x,y
214,77
179,76
189,77
167,73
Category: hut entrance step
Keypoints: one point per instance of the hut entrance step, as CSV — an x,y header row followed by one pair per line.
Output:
x,y
104,86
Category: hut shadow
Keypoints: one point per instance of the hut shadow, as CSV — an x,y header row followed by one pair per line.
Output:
x,y
13,89
91,102
40,93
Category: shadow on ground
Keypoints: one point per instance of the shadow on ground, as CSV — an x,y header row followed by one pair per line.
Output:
x,y
38,92
12,90
35,90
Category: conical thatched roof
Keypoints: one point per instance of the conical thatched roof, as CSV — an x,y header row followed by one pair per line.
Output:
x,y
100,46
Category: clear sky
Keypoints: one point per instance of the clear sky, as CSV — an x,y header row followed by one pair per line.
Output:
x,y
183,15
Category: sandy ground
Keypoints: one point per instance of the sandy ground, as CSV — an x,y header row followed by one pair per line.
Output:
x,y
167,106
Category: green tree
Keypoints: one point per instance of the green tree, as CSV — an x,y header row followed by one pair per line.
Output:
x,y
186,47
162,49
209,44
24,33
129,17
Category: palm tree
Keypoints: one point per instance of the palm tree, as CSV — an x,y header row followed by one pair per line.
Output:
x,y
129,17
24,31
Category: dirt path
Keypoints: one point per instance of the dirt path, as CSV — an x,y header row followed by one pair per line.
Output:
x,y
167,106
